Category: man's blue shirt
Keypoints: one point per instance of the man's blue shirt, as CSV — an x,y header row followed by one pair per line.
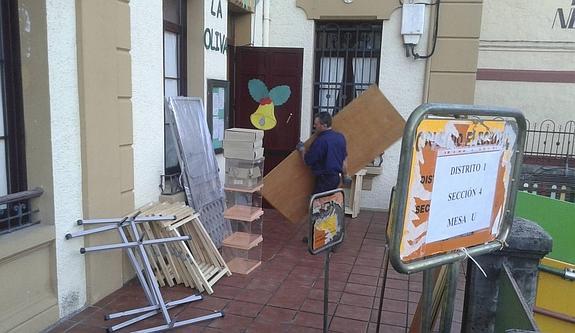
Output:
x,y
327,153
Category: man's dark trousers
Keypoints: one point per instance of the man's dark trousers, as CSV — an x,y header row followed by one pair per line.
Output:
x,y
326,182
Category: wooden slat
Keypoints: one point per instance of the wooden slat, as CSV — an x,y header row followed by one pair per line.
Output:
x,y
157,255
210,272
218,276
173,247
168,247
167,250
370,125
183,221
157,273
195,263
209,245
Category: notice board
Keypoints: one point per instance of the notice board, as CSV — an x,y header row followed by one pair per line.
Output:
x,y
218,106
370,125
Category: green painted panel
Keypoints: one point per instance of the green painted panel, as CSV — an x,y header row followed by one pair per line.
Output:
x,y
512,311
556,217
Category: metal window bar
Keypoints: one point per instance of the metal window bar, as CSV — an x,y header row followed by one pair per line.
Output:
x,y
16,212
171,184
347,61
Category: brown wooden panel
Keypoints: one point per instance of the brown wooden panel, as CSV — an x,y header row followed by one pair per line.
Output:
x,y
274,66
370,125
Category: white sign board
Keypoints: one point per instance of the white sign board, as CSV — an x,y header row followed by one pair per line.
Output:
x,y
463,193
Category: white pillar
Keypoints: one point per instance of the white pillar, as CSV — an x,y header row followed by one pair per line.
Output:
x,y
66,152
146,20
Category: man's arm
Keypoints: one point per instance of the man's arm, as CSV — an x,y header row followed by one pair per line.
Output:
x,y
301,148
314,154
346,179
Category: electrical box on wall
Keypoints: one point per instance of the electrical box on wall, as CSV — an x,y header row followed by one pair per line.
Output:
x,y
412,22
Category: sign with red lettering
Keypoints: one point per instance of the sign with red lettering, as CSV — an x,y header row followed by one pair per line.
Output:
x,y
458,185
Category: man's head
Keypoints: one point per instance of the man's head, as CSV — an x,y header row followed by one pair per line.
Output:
x,y
322,121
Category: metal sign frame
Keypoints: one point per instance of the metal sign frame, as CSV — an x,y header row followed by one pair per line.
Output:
x,y
340,220
399,204
315,214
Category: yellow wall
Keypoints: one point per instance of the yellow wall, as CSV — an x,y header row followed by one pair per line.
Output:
x,y
452,69
104,66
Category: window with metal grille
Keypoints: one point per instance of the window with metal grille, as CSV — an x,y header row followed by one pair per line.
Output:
x,y
16,212
347,57
174,70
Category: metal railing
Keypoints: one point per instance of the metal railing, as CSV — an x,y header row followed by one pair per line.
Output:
x,y
549,160
548,143
16,212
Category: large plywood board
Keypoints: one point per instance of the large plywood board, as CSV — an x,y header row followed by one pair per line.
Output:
x,y
370,125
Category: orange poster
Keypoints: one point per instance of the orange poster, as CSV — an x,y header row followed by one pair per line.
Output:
x,y
327,221
458,185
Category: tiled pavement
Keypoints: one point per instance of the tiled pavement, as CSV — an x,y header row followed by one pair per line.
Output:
x,y
286,293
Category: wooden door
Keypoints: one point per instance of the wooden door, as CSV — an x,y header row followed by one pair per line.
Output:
x,y
273,66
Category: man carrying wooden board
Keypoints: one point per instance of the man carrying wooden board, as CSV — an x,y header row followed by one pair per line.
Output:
x,y
327,155
370,125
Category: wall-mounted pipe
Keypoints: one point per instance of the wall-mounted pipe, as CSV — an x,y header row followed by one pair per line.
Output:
x,y
266,23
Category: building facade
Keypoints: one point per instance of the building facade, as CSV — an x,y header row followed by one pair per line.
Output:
x,y
83,86
527,58
75,86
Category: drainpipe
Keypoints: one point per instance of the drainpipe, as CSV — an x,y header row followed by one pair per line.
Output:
x,y
266,23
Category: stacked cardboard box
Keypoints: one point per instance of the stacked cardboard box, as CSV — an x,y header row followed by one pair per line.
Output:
x,y
244,157
243,151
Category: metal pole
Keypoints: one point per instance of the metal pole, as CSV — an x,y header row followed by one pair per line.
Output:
x,y
133,244
427,300
326,290
107,227
150,274
138,269
386,264
163,328
449,298
90,231
138,219
188,299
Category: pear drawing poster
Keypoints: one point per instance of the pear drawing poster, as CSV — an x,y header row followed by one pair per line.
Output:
x,y
264,117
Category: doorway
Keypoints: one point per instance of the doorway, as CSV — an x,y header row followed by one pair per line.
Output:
x,y
274,67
